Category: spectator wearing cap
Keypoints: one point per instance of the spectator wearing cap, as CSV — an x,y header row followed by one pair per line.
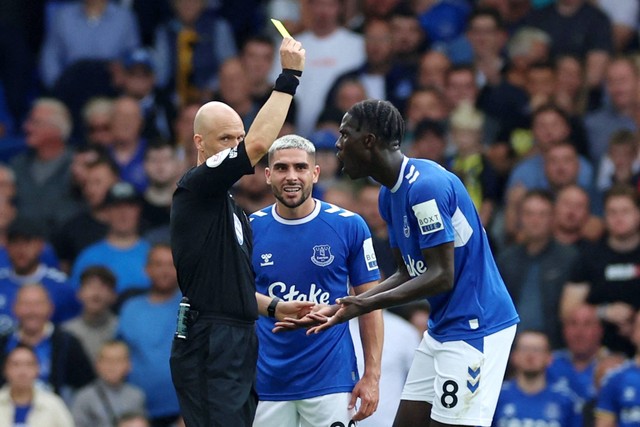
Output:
x,y
139,82
25,246
123,251
88,29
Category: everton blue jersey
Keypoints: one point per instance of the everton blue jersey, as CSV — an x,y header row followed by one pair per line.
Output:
x,y
429,206
315,258
620,394
551,407
562,371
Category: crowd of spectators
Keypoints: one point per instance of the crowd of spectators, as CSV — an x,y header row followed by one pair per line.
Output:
x,y
534,104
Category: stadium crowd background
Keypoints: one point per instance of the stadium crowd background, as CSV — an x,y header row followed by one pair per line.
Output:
x,y
534,104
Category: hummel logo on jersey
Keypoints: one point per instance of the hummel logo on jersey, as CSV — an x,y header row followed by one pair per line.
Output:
x,y
233,153
412,175
415,267
266,260
322,255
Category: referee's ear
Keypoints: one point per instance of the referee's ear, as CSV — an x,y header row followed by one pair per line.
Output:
x,y
197,140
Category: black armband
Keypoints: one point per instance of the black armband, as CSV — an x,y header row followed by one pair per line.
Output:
x,y
287,81
271,310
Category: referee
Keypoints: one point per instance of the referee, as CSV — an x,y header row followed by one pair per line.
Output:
x,y
214,366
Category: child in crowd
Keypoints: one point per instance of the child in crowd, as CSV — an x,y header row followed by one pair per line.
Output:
x,y
101,403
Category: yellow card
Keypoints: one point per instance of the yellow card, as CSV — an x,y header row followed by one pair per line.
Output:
x,y
281,29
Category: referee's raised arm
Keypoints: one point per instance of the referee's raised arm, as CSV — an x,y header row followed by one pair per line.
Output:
x,y
271,117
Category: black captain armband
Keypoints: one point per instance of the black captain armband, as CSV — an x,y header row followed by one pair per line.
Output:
x,y
287,81
271,310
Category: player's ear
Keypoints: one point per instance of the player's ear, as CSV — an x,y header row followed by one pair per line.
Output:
x,y
369,140
316,174
267,175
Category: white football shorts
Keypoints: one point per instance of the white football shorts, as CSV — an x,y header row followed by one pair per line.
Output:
x,y
462,380
329,410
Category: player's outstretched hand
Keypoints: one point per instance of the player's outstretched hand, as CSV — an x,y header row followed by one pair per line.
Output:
x,y
350,307
317,315
293,309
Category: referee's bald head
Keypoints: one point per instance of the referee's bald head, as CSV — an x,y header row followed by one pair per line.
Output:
x,y
212,115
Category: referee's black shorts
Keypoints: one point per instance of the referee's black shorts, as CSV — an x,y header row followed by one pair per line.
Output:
x,y
214,372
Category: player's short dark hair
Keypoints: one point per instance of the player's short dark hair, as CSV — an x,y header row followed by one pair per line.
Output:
x,y
99,272
380,118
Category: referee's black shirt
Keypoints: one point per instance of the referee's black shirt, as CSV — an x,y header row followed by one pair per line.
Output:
x,y
211,238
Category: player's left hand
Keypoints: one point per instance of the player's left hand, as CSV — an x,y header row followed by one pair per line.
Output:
x,y
367,390
293,309
318,314
350,307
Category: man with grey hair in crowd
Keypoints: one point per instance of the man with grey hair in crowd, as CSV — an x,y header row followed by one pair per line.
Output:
x,y
43,173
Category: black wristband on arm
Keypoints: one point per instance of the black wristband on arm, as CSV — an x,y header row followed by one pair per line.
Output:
x,y
287,81
271,310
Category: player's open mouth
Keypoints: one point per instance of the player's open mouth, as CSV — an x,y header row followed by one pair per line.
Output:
x,y
292,189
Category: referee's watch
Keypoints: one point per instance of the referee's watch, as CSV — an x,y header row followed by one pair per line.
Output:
x,y
271,310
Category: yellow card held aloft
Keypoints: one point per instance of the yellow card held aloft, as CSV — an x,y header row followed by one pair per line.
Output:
x,y
281,29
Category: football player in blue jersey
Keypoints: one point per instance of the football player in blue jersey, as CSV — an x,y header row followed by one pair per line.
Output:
x,y
443,255
308,250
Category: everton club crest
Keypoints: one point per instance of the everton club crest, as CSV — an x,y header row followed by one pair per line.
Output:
x,y
322,255
405,226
